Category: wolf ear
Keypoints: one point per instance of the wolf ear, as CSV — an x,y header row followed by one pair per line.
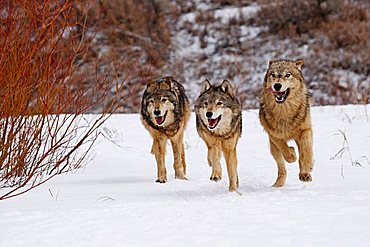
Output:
x,y
149,82
227,88
271,62
168,80
299,63
206,86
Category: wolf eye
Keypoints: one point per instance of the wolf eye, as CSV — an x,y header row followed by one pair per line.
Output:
x,y
164,100
205,103
273,75
287,75
151,101
219,103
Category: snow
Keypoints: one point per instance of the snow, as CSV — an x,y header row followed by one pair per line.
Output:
x,y
226,14
349,79
114,201
188,17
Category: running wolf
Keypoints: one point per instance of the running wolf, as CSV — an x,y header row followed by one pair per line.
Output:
x,y
285,115
219,124
165,112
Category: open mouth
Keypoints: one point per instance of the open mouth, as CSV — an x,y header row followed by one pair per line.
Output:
x,y
280,97
212,122
160,119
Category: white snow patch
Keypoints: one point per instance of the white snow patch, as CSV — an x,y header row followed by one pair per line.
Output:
x,y
226,14
115,201
188,17
347,79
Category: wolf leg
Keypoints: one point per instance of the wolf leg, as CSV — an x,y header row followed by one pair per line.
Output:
x,y
177,148
305,156
183,158
278,156
229,150
159,150
288,152
214,156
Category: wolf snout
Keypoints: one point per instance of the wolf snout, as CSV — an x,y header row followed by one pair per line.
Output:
x,y
157,112
209,114
277,86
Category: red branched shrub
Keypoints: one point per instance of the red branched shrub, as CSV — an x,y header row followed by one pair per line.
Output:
x,y
42,132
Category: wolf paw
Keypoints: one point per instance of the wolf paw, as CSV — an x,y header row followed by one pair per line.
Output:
x,y
305,177
278,184
280,181
290,157
233,188
215,177
161,180
181,176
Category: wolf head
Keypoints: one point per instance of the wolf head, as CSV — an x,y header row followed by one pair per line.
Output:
x,y
284,79
160,103
217,108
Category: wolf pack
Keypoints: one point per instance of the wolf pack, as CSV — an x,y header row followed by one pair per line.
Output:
x,y
284,114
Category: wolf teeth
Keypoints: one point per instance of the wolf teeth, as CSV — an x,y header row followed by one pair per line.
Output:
x,y
212,122
159,120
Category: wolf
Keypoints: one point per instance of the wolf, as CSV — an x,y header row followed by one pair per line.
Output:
x,y
219,124
285,115
165,111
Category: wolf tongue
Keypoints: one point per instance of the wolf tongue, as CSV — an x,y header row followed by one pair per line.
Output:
x,y
212,122
278,93
270,90
159,120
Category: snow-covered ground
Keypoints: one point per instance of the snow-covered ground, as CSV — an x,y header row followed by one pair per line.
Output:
x,y
114,201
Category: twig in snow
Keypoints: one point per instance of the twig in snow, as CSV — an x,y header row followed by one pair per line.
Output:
x,y
56,196
182,196
105,198
346,148
237,192
341,171
111,135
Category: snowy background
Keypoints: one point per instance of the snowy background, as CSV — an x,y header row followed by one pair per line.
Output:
x,y
114,201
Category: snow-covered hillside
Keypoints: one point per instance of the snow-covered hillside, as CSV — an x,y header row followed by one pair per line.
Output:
x,y
222,39
114,201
